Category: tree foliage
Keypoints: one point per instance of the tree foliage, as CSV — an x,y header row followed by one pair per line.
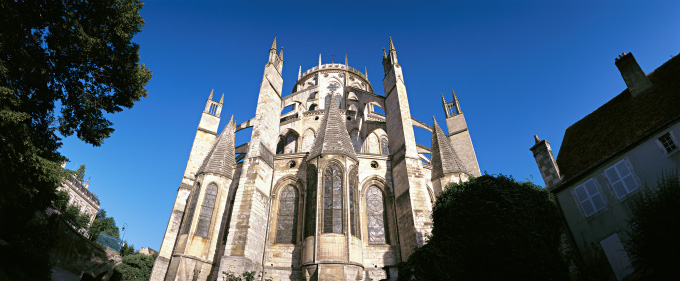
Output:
x,y
69,212
64,65
135,267
127,249
654,229
80,173
491,228
245,276
103,224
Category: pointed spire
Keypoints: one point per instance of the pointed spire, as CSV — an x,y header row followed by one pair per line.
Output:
x,y
222,99
391,44
221,158
443,99
300,72
384,54
274,44
444,158
455,101
365,71
536,139
211,94
332,137
319,60
281,53
346,60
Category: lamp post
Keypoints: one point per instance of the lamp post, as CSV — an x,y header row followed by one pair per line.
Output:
x,y
123,239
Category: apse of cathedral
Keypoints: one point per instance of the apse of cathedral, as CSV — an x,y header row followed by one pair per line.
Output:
x,y
331,190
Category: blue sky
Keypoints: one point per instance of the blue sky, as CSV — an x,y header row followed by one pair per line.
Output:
x,y
519,68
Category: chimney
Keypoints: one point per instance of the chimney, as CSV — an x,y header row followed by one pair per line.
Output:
x,y
87,183
63,164
632,74
546,162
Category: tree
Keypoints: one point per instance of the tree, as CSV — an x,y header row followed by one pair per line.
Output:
x,y
491,228
135,267
127,249
654,229
69,212
103,224
80,173
63,66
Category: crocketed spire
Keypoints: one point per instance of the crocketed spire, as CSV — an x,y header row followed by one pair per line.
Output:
x,y
333,137
444,158
221,158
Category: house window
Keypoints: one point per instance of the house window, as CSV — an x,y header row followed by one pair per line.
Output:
x,y
621,179
589,197
667,142
206,210
332,200
287,219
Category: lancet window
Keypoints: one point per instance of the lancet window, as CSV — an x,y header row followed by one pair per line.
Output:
x,y
310,217
353,202
190,211
332,201
207,210
287,217
375,213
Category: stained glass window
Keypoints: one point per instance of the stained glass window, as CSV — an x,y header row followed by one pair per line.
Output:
x,y
332,201
280,145
206,210
189,215
287,220
375,213
384,147
353,208
310,225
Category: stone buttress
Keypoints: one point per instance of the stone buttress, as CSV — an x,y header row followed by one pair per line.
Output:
x,y
202,226
413,207
244,247
459,135
203,142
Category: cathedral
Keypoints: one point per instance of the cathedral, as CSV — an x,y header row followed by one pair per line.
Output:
x,y
331,189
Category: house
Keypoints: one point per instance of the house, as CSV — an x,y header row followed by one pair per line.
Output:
x,y
612,154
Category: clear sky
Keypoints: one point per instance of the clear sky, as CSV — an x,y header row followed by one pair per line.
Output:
x,y
519,68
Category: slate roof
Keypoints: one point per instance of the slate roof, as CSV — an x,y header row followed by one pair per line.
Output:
x,y
622,122
444,158
221,158
333,137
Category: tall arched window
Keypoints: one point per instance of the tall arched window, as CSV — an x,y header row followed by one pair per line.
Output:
x,y
372,144
332,200
312,107
206,210
383,146
287,219
310,217
339,100
189,215
375,213
280,145
353,206
291,143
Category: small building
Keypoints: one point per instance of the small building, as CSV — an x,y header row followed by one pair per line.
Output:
x,y
612,154
80,196
147,251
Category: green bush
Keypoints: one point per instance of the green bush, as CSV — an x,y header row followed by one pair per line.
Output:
x,y
491,228
135,267
654,228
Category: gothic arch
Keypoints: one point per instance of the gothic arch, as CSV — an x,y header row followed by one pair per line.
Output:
x,y
307,140
389,215
281,185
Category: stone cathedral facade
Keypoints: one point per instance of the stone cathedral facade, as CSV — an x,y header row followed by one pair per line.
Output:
x,y
331,190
